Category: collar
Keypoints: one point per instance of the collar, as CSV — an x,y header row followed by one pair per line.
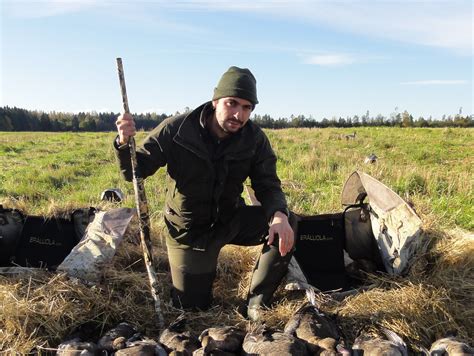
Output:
x,y
206,115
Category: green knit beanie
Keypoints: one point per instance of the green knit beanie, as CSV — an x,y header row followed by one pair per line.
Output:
x,y
237,82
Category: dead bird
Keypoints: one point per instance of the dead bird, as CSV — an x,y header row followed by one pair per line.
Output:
x,y
138,350
176,339
226,338
143,347
319,330
268,342
216,352
77,347
450,346
116,338
372,158
375,346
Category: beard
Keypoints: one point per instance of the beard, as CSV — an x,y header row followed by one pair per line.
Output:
x,y
231,125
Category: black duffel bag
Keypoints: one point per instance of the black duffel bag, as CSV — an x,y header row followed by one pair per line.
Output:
x,y
37,241
322,239
319,250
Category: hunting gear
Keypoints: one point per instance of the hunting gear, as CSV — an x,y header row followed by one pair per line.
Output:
x,y
209,153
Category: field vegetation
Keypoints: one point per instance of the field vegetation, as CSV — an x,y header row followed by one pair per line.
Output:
x,y
432,168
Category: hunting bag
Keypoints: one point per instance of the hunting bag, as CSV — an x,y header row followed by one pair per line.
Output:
x,y
319,250
321,241
359,240
37,241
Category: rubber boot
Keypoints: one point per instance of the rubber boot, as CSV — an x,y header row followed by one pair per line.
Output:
x,y
191,291
269,270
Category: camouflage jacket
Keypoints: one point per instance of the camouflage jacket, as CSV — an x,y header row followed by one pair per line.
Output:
x,y
204,188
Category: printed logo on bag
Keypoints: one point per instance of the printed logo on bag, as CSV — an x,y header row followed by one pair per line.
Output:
x,y
40,241
311,237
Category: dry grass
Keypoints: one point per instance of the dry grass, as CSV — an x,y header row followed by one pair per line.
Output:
x,y
38,310
435,298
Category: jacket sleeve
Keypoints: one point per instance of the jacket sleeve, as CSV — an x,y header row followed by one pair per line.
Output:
x,y
264,179
151,154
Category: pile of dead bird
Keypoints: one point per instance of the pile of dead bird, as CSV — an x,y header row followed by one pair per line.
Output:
x,y
430,308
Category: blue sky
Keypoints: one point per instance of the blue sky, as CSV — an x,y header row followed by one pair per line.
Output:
x,y
318,58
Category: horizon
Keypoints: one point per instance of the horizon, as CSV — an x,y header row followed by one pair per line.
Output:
x,y
319,59
252,116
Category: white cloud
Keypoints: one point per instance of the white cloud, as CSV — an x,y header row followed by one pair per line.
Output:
x,y
329,59
47,8
437,23
435,82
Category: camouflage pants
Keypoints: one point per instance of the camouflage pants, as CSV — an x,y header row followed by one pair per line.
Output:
x,y
193,272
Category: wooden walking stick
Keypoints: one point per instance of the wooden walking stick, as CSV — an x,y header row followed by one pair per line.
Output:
x,y
142,207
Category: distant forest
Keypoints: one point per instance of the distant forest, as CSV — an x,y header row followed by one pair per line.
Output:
x,y
17,119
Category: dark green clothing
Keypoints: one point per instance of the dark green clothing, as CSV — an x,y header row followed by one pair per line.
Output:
x,y
205,187
204,210
193,271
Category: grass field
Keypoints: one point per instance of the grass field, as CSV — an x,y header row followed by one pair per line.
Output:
x,y
434,168
42,173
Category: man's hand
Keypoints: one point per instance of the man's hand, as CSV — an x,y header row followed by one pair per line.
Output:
x,y
125,127
281,227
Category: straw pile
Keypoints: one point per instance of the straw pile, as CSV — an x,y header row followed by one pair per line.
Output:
x,y
436,298
40,309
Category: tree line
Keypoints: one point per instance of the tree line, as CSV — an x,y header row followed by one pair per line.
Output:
x,y
18,119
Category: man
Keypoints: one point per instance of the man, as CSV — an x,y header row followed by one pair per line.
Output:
x,y
209,153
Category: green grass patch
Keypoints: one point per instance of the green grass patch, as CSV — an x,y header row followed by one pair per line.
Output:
x,y
432,167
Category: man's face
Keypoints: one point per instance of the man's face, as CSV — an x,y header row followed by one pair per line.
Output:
x,y
231,114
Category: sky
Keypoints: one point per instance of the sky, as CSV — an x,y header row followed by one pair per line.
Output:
x,y
321,59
